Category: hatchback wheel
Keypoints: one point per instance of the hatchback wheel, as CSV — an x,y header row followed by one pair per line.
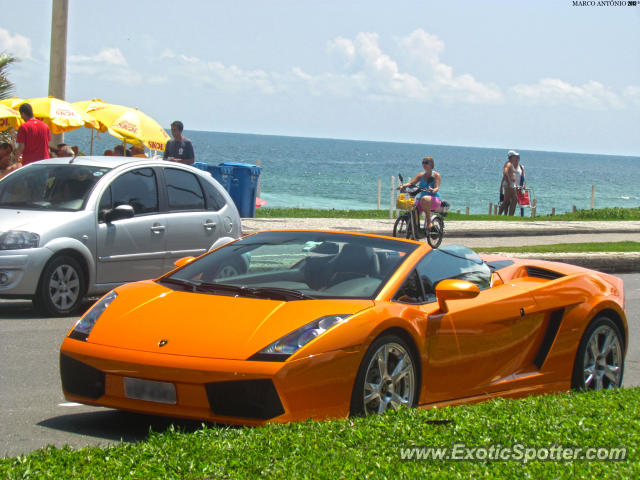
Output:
x,y
62,287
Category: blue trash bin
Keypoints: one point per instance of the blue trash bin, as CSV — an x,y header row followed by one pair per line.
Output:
x,y
244,186
223,174
201,165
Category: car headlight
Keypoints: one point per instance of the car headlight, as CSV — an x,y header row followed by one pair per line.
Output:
x,y
84,326
282,349
16,240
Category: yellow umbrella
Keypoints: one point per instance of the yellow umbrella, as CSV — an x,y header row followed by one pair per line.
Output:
x,y
59,115
131,125
95,104
9,118
12,102
88,106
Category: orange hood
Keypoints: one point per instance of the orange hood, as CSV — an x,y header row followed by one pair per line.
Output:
x,y
204,325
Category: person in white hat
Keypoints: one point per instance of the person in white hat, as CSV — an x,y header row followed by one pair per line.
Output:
x,y
508,184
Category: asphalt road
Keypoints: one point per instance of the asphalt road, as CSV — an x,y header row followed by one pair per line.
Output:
x,y
34,413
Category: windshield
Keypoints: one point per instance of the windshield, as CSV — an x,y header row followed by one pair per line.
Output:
x,y
49,187
295,266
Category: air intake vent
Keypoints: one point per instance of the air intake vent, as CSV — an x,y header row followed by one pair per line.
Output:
x,y
245,398
81,379
543,273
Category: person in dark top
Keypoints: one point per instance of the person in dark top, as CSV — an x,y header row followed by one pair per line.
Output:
x,y
180,149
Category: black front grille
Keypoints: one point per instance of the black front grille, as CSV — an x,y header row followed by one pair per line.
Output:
x,y
81,379
543,273
245,398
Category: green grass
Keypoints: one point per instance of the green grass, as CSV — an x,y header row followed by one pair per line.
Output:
x,y
567,248
370,447
605,214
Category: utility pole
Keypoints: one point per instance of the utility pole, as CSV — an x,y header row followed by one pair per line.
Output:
x,y
58,56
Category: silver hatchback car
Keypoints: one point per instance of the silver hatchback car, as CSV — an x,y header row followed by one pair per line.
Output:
x,y
72,227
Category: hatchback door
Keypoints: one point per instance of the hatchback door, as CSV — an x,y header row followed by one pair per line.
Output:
x,y
131,249
193,222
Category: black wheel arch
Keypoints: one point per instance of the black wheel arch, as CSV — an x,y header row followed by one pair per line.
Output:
x,y
616,319
406,336
77,256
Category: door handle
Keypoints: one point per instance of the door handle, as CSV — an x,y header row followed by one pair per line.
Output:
x,y
209,225
157,228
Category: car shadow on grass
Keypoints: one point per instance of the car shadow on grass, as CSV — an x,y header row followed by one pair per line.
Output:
x,y
116,425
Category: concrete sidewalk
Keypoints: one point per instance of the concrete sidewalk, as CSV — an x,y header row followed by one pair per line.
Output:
x,y
453,228
495,234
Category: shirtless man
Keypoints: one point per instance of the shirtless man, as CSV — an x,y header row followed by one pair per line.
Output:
x,y
6,166
508,184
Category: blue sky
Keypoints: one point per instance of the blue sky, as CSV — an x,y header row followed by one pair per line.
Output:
x,y
544,75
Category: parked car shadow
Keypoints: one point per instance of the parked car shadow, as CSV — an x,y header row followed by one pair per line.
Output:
x,y
24,309
116,425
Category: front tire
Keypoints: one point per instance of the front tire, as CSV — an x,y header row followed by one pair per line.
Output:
x,y
436,233
400,227
599,363
387,378
61,288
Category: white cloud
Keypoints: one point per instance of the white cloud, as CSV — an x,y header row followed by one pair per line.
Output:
x,y
167,53
16,45
109,56
555,92
429,80
365,71
109,64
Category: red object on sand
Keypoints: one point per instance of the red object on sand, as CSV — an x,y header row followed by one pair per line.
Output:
x,y
260,202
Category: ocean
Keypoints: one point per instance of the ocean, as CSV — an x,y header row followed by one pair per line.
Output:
x,y
343,174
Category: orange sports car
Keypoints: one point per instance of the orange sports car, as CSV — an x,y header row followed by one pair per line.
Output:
x,y
289,325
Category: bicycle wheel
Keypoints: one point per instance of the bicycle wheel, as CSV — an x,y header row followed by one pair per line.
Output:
x,y
400,227
435,234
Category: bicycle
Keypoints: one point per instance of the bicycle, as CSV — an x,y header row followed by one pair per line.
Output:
x,y
407,224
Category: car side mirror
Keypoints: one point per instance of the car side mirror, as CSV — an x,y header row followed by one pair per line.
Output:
x,y
118,213
453,289
183,261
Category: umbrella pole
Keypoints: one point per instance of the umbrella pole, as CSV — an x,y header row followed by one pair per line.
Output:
x,y
91,150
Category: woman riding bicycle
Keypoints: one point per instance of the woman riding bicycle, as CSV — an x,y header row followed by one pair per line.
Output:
x,y
430,180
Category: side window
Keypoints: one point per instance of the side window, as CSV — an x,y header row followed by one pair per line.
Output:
x,y
215,200
410,291
458,262
184,190
137,188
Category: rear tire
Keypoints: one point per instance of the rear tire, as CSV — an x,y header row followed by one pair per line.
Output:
x,y
435,235
400,227
61,288
599,363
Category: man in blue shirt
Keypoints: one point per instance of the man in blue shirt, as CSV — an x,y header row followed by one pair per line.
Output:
x,y
180,148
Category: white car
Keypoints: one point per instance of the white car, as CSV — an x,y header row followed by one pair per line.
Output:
x,y
72,227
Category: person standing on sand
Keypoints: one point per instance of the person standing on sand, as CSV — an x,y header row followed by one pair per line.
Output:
x,y
180,149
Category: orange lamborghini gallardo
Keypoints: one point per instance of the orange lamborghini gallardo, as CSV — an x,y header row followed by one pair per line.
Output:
x,y
289,325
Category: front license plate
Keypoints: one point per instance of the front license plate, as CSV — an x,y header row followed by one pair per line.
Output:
x,y
149,390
